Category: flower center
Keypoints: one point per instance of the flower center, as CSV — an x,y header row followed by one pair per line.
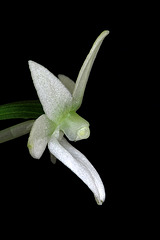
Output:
x,y
83,133
75,127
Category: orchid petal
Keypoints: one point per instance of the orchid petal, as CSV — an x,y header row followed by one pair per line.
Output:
x,y
16,131
54,96
85,71
68,83
81,158
39,136
79,164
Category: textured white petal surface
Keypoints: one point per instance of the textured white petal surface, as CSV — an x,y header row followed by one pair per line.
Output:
x,y
39,136
81,158
85,71
54,96
68,83
79,164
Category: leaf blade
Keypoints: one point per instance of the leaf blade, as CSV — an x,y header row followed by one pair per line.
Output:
x,y
24,109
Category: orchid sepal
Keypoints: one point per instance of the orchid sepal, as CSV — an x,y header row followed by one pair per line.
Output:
x,y
85,71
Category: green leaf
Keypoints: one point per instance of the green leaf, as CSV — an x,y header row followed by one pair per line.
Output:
x,y
30,109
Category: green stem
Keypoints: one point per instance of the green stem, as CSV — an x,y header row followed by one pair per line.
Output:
x,y
16,131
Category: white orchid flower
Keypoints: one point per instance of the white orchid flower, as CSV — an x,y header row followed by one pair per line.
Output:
x,y
61,98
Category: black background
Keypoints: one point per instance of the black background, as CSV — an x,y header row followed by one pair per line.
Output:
x,y
120,90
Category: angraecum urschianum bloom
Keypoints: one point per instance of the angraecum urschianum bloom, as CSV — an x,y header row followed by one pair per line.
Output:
x,y
60,99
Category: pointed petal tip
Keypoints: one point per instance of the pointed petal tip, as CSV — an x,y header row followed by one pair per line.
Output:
x,y
104,34
99,201
101,198
32,64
